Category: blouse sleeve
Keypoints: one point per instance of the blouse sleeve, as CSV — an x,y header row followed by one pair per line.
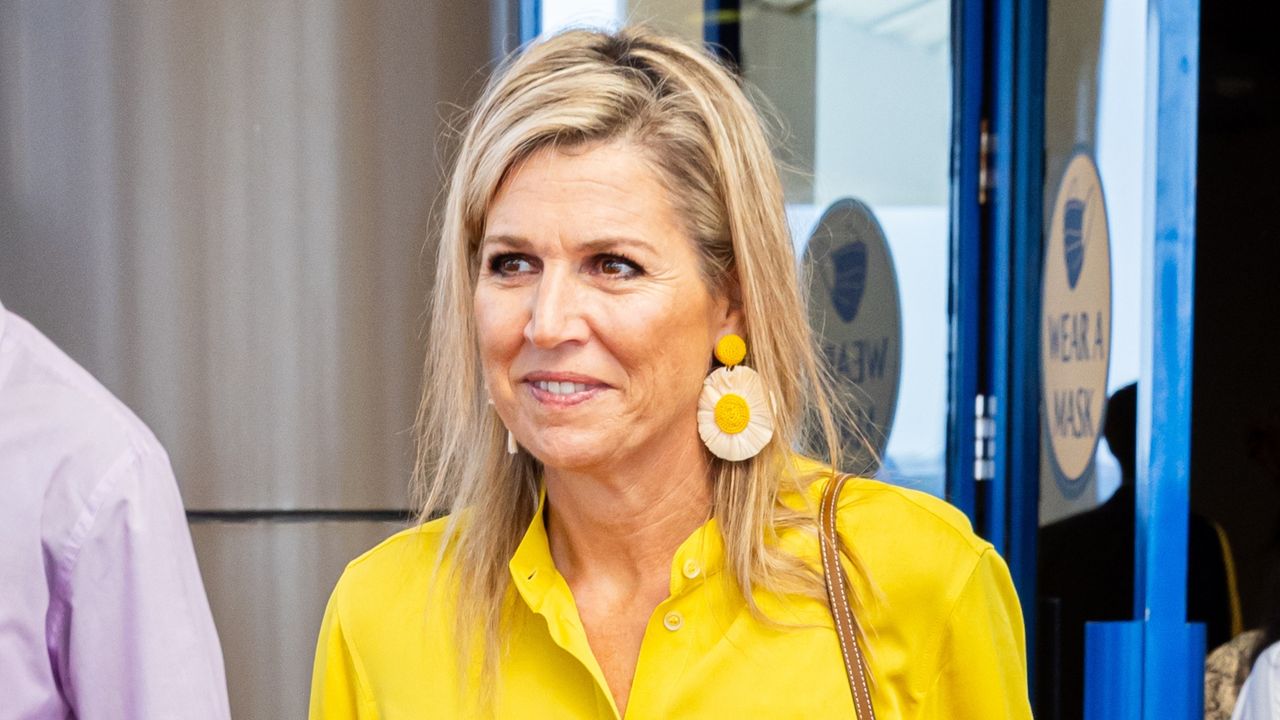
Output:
x,y
337,686
983,661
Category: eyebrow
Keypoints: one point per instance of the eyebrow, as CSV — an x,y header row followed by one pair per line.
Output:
x,y
597,245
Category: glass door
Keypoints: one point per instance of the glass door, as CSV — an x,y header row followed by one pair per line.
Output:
x,y
1087,234
1093,131
858,96
862,94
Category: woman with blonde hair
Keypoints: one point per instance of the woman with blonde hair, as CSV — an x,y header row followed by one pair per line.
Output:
x,y
621,401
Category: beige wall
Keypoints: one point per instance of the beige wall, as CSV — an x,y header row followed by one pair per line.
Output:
x,y
219,209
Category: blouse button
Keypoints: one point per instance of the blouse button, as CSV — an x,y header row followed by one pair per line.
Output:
x,y
691,569
673,621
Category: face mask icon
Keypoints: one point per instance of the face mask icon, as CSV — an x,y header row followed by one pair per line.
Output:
x,y
850,279
1073,239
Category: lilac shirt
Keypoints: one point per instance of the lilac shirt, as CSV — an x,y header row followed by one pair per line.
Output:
x,y
102,611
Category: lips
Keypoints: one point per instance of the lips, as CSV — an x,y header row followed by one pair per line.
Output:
x,y
562,388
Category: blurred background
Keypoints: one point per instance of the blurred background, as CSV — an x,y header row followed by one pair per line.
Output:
x,y
223,210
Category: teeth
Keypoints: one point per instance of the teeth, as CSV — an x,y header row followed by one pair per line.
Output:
x,y
560,388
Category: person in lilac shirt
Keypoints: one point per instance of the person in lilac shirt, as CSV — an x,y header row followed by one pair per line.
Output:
x,y
102,610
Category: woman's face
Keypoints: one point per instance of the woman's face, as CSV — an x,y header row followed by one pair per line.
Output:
x,y
596,327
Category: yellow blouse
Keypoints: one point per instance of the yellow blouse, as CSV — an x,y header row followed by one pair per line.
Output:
x,y
945,632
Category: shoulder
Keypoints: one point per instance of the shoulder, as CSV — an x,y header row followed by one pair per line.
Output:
x,y
401,588
915,552
910,542
874,515
74,451
394,576
866,503
57,417
386,562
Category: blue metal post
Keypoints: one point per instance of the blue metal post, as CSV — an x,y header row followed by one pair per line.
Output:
x,y
530,20
966,250
1117,692
1004,128
1170,687
1014,294
1171,651
1019,467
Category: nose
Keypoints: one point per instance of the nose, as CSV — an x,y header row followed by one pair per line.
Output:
x,y
557,313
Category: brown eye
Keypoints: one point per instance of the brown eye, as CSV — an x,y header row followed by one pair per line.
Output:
x,y
511,264
615,266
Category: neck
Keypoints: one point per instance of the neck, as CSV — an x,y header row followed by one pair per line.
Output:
x,y
624,525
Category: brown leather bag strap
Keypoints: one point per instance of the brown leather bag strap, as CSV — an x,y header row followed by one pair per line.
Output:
x,y
838,598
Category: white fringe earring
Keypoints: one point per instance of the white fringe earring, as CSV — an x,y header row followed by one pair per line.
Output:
x,y
512,447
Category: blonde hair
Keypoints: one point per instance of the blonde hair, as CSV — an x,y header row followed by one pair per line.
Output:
x,y
688,113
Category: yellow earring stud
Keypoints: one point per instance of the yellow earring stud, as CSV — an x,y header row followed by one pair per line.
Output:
x,y
731,350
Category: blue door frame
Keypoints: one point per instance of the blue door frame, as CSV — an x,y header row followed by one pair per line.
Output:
x,y
1159,654
969,178
997,191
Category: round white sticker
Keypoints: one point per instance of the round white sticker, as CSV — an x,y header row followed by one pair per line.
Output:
x,y
855,310
1075,346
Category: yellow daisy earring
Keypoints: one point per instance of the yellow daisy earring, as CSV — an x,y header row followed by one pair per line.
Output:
x,y
734,417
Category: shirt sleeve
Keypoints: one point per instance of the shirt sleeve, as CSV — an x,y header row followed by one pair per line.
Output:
x,y
1260,696
337,690
983,660
133,636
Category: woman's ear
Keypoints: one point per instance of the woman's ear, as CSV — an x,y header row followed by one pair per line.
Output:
x,y
733,322
729,312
